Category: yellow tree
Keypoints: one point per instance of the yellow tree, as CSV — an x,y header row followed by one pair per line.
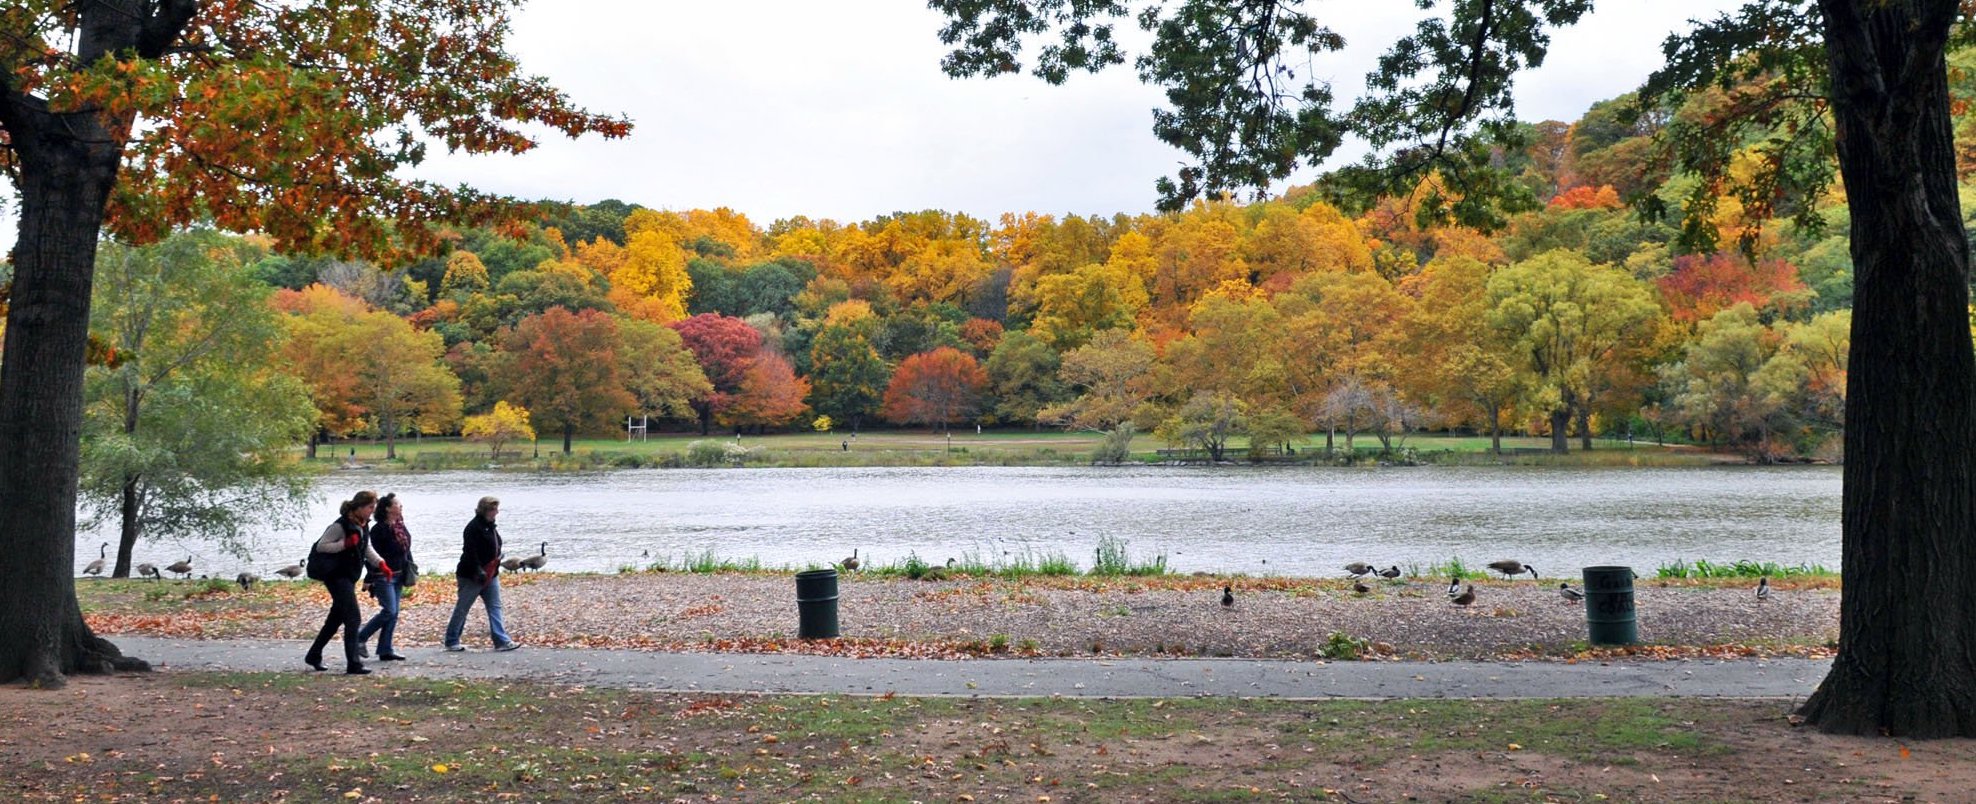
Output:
x,y
505,424
1452,358
1072,306
465,275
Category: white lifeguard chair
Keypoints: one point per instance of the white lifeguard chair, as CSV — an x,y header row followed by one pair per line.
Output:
x,y
636,431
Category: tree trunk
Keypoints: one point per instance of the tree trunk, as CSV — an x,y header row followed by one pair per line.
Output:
x,y
1585,428
1496,431
1560,431
65,173
569,430
390,436
1906,665
128,530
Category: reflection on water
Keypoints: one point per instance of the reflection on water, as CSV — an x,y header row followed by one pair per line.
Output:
x,y
1233,519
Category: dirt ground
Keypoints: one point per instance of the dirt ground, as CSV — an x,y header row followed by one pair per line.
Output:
x,y
308,737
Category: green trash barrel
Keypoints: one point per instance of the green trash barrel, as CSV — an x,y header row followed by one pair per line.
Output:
x,y
816,604
1609,606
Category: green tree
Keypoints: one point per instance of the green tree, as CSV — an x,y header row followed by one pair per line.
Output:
x,y
659,370
1022,378
401,377
1207,421
1575,326
148,116
187,430
847,377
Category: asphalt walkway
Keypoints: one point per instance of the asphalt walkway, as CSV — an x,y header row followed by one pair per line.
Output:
x,y
1092,678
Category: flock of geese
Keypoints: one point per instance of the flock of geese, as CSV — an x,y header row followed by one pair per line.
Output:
x,y
183,569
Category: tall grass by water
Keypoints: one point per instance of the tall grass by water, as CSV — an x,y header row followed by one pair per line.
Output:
x,y
1703,568
1111,559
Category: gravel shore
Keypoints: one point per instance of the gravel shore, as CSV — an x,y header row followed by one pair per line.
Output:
x,y
1271,617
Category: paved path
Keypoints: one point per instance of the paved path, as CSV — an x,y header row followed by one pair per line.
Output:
x,y
1095,678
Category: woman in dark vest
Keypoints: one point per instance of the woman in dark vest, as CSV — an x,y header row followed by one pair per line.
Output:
x,y
338,560
479,575
389,539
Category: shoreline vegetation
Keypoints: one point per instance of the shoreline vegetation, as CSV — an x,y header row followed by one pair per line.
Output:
x,y
993,448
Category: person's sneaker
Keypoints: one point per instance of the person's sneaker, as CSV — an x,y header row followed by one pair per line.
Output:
x,y
508,647
455,648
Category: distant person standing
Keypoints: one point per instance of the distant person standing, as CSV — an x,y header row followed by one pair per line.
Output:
x,y
338,560
479,575
390,540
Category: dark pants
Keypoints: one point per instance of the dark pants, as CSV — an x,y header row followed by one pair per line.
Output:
x,y
343,614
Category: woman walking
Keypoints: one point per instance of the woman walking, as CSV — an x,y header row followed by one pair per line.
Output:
x,y
389,539
479,574
338,560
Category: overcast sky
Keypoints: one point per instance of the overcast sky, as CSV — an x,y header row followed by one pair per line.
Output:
x,y
840,110
778,108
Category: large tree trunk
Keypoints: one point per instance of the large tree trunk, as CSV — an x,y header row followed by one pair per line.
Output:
x,y
1560,431
1907,621
66,169
569,431
1585,428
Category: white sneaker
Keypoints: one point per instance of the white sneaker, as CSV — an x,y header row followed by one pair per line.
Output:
x,y
508,647
456,648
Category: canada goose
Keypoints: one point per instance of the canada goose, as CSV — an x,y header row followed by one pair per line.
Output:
x,y
148,571
1454,586
1511,569
1390,573
1227,595
538,561
181,567
96,567
852,562
1359,568
1465,597
511,564
291,571
1763,588
1361,588
246,580
1569,594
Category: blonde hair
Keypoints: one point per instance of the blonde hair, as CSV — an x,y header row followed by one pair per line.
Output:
x,y
486,504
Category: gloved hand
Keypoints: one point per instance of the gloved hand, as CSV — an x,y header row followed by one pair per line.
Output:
x,y
480,578
385,570
350,541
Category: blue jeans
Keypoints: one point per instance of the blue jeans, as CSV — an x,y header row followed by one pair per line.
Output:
x,y
385,622
490,595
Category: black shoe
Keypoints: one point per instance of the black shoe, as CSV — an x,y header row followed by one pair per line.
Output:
x,y
315,663
357,670
390,657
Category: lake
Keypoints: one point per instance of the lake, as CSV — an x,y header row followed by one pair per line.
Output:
x,y
1283,520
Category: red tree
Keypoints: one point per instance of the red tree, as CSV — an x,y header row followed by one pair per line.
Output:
x,y
1702,285
725,348
938,387
770,394
563,367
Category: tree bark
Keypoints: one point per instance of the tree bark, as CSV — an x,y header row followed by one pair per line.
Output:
x,y
1906,665
1585,428
67,165
127,532
569,431
1560,431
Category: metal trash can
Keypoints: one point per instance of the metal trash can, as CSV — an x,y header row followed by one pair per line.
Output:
x,y
816,604
1609,606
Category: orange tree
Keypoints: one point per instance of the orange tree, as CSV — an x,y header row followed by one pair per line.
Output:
x,y
938,387
138,116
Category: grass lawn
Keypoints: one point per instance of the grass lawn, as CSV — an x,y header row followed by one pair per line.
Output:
x,y
308,737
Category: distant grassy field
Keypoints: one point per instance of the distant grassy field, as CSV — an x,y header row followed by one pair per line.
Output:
x,y
932,448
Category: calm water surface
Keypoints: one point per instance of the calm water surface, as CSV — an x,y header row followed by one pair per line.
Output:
x,y
1305,521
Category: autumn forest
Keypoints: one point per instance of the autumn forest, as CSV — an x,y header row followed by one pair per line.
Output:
x,y
1304,317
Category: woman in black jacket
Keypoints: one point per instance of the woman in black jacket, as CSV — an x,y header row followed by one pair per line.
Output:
x,y
393,543
338,561
479,575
